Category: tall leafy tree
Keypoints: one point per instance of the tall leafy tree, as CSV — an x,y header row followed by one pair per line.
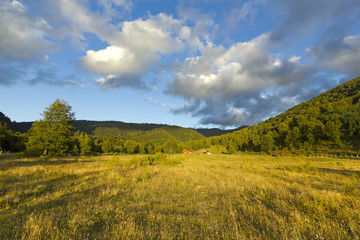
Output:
x,y
107,146
52,135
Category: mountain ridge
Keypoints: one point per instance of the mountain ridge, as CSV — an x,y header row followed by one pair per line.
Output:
x,y
140,132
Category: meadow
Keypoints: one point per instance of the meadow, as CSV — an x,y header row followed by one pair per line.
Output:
x,y
179,197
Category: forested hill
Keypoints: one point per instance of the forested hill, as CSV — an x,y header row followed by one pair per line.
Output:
x,y
9,124
328,123
157,133
210,132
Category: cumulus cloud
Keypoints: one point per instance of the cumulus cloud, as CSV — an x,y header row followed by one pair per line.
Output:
x,y
22,35
244,67
155,34
73,19
240,84
139,46
339,55
200,35
114,60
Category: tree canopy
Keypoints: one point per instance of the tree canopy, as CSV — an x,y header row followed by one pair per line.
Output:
x,y
52,135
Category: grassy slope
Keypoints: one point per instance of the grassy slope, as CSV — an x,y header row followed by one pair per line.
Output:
x,y
217,196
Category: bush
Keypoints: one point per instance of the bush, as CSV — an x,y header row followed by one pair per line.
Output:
x,y
142,161
282,152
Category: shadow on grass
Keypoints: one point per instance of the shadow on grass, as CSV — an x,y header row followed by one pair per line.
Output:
x,y
339,171
22,213
7,164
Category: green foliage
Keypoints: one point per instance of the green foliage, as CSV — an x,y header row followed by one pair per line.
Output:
x,y
282,152
85,143
131,147
52,135
10,141
171,147
141,161
217,149
107,146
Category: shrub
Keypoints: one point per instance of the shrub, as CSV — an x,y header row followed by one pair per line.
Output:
x,y
282,152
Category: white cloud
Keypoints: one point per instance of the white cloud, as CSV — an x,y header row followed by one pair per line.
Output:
x,y
73,19
244,67
201,34
22,35
113,60
156,34
139,46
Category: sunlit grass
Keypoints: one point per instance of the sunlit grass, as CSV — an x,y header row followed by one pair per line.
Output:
x,y
186,197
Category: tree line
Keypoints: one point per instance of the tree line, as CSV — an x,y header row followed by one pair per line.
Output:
x,y
54,135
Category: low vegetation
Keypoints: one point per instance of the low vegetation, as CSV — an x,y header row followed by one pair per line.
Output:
x,y
179,197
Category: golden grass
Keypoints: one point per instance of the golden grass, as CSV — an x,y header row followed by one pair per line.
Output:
x,y
198,197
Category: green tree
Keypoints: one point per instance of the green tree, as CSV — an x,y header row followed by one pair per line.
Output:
x,y
10,141
170,146
52,135
149,147
107,146
232,148
131,146
86,143
267,143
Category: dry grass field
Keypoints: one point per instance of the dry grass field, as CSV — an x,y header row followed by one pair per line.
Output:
x,y
180,197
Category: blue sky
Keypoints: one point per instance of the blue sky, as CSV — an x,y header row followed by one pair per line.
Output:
x,y
205,63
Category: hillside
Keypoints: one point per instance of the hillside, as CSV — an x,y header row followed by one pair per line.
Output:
x,y
328,123
157,133
211,132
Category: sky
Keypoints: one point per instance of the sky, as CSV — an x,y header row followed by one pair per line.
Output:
x,y
203,63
